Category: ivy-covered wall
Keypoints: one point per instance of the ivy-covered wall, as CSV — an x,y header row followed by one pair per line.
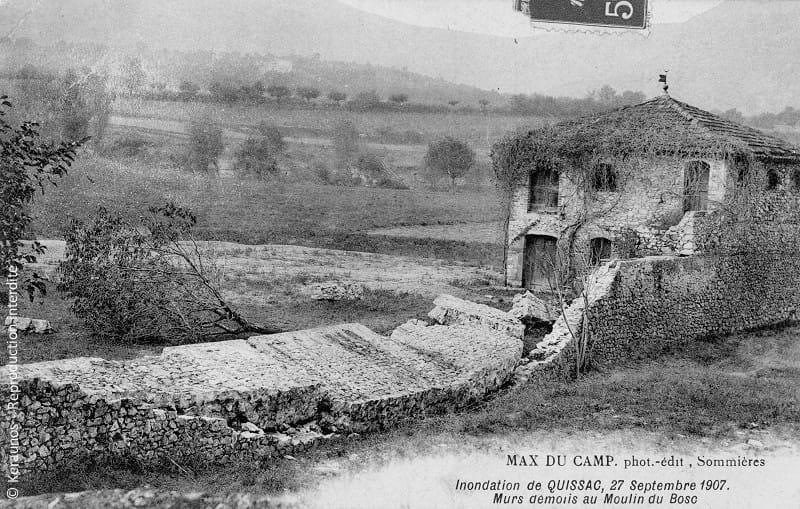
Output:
x,y
644,216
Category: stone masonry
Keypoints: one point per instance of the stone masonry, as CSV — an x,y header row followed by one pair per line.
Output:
x,y
235,399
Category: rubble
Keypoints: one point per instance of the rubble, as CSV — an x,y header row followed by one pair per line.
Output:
x,y
451,310
334,291
31,325
527,308
267,396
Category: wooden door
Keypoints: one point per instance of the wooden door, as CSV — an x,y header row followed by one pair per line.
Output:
x,y
539,260
695,186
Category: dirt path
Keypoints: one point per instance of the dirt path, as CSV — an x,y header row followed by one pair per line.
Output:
x,y
490,232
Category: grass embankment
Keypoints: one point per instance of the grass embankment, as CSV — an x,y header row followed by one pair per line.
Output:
x,y
718,391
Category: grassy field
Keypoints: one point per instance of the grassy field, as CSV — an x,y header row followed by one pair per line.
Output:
x,y
717,394
390,127
270,212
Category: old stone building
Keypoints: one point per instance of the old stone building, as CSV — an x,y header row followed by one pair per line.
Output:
x,y
637,181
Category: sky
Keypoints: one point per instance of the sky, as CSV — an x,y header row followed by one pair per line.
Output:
x,y
720,54
495,17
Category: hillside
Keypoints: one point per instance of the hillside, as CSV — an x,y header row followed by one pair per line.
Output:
x,y
710,63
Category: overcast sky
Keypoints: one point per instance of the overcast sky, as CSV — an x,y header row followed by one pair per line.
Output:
x,y
720,54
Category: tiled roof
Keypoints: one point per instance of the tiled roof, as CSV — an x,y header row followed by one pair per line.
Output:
x,y
665,109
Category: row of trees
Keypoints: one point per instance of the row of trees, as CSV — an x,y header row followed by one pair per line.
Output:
x,y
604,99
258,91
787,117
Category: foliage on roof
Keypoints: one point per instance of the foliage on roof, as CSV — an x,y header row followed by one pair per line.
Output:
x,y
660,127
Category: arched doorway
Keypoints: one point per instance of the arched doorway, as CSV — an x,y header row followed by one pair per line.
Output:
x,y
539,261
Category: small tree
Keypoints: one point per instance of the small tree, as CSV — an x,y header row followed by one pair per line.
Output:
x,y
273,136
453,103
133,75
337,97
224,93
188,90
74,112
256,157
205,146
484,103
451,158
279,92
365,100
307,93
26,165
145,281
398,98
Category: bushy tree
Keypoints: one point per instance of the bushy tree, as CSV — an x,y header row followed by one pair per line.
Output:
x,y
279,92
188,90
398,98
365,100
224,93
205,146
145,281
26,165
337,97
449,157
256,157
273,135
133,75
307,93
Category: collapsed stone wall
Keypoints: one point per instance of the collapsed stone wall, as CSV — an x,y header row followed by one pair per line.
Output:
x,y
243,399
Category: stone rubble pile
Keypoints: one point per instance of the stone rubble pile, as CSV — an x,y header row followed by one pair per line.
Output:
x,y
335,291
527,307
451,310
31,325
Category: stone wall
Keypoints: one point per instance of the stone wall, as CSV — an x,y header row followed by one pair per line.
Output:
x,y
650,207
244,399
152,499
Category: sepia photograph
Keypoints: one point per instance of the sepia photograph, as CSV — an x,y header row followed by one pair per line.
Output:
x,y
401,254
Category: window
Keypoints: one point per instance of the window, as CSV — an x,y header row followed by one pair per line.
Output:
x,y
773,179
544,190
599,250
604,177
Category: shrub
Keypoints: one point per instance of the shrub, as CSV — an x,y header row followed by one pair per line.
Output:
x,y
337,97
26,165
256,157
273,135
205,146
144,281
374,171
365,101
323,173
